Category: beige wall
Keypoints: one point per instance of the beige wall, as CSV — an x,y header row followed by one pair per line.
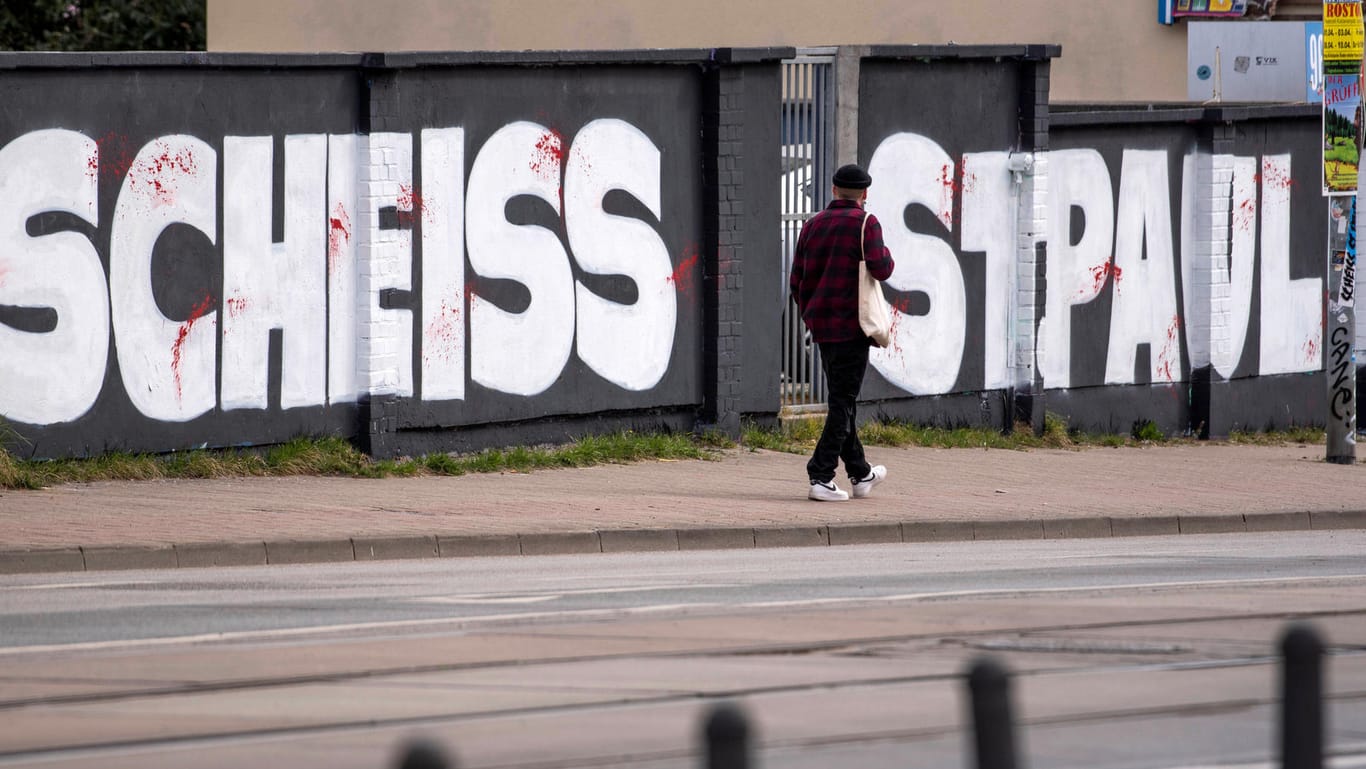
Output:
x,y
1113,50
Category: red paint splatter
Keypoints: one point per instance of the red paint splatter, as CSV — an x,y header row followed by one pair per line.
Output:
x,y
114,156
1311,350
1276,177
237,305
1170,349
1246,215
549,155
199,311
900,307
338,235
684,276
159,176
410,207
1100,274
948,177
446,329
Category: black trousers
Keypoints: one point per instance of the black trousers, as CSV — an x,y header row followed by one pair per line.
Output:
x,y
844,364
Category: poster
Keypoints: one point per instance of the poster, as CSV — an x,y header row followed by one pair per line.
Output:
x,y
1342,47
1342,37
1341,133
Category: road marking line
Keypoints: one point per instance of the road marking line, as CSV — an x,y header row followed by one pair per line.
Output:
x,y
62,585
535,597
280,633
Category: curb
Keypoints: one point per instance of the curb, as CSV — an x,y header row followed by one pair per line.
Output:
x,y
376,548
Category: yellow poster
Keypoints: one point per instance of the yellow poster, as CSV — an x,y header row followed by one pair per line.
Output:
x,y
1342,37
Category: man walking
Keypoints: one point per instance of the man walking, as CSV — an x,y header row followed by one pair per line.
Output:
x,y
825,276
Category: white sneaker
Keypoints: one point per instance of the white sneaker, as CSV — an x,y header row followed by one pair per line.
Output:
x,y
864,486
827,492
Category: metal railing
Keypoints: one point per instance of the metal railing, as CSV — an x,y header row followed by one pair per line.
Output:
x,y
727,742
808,153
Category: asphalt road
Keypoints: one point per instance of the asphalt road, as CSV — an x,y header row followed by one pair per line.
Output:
x,y
1128,652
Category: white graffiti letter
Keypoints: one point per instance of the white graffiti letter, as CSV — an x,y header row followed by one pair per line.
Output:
x,y
51,375
343,303
519,353
989,223
274,285
628,344
443,264
1292,310
926,351
1076,271
1143,307
168,367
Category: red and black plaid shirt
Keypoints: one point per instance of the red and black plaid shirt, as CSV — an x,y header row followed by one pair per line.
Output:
x,y
825,269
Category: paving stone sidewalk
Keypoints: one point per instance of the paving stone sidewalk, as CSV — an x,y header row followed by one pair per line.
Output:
x,y
744,499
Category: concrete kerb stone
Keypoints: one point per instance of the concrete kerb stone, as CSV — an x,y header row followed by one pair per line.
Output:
x,y
1161,525
1212,524
792,536
864,533
287,551
638,540
561,543
41,560
1077,528
1007,530
394,548
715,539
1277,521
121,557
207,554
479,545
936,531
1338,519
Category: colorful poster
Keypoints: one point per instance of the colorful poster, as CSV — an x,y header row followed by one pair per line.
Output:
x,y
1342,37
1341,133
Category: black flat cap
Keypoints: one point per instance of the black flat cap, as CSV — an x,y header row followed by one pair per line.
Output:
x,y
852,177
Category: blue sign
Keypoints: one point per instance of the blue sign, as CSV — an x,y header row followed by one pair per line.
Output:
x,y
1313,62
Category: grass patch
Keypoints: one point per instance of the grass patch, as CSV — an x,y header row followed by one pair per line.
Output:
x,y
799,436
337,457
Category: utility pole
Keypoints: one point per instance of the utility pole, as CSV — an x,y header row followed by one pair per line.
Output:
x,y
1342,145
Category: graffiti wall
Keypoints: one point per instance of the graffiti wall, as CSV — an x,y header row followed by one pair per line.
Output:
x,y
232,256
428,252
1180,257
1191,260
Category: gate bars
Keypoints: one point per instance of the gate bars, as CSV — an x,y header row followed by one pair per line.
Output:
x,y
808,154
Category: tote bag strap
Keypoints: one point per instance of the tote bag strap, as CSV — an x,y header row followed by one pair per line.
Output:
x,y
863,233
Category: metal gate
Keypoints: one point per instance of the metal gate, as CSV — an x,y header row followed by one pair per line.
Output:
x,y
808,154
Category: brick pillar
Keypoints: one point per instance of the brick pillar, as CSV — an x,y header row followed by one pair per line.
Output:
x,y
384,348
1205,259
723,167
1031,243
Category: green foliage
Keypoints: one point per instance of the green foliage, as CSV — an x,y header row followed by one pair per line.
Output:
x,y
102,25
1148,432
1343,151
